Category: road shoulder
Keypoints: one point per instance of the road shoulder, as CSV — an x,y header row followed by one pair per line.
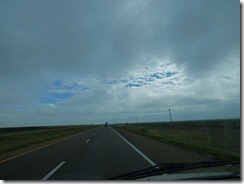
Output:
x,y
161,152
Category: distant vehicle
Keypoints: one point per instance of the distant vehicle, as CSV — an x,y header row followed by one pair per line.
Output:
x,y
106,124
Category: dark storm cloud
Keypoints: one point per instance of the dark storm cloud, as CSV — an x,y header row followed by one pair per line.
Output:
x,y
98,37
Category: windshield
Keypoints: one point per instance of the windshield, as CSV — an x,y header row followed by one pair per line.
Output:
x,y
120,90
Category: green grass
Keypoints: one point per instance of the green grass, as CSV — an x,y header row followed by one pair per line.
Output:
x,y
217,138
21,137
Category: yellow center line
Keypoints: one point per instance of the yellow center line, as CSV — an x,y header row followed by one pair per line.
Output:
x,y
21,154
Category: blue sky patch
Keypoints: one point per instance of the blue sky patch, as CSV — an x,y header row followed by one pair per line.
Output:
x,y
59,91
157,75
55,97
58,82
169,74
134,85
112,82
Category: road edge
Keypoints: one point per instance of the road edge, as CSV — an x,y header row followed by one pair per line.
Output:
x,y
137,150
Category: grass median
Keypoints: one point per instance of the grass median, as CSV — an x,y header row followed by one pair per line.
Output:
x,y
219,139
22,137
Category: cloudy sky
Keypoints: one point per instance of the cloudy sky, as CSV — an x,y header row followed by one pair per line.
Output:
x,y
90,61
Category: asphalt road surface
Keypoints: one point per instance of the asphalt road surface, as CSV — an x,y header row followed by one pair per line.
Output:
x,y
96,154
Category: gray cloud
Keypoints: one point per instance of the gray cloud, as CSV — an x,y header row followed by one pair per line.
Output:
x,y
97,42
97,37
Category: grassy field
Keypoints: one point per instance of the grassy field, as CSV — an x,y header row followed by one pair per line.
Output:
x,y
217,138
15,138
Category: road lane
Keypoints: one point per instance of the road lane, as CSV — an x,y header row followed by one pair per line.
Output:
x,y
35,165
104,156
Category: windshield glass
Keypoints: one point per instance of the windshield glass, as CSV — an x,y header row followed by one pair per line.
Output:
x,y
120,89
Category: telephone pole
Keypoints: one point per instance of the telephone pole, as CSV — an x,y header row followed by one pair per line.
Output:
x,y
170,116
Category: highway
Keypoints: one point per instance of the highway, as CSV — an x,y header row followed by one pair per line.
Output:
x,y
96,154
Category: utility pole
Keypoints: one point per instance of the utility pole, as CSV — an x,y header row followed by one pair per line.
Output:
x,y
170,116
136,119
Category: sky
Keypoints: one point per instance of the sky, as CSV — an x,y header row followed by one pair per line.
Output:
x,y
91,61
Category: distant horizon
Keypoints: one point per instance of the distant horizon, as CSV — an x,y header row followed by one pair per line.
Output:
x,y
114,123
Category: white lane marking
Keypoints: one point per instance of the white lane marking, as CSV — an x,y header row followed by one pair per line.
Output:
x,y
53,171
144,156
87,140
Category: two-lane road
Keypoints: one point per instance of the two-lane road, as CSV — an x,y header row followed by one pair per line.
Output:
x,y
100,153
